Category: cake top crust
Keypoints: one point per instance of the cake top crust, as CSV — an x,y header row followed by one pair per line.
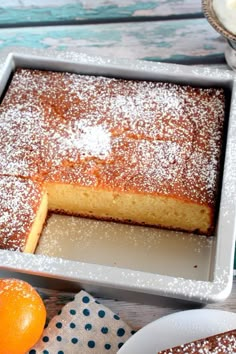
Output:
x,y
20,199
223,343
130,136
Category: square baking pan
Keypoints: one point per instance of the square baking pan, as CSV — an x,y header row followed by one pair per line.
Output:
x,y
111,259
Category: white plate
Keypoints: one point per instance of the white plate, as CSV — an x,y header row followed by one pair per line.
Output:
x,y
179,328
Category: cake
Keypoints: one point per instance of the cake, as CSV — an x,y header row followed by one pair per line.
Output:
x,y
23,210
139,152
223,343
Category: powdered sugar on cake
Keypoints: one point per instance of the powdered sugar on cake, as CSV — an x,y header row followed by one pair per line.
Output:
x,y
89,140
19,139
19,201
123,135
222,343
159,137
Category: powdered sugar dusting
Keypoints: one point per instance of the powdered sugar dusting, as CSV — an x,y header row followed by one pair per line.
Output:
x,y
19,138
222,343
89,140
21,290
155,137
19,201
124,135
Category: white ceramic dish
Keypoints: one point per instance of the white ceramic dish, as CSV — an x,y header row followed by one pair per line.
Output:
x,y
177,329
230,50
111,259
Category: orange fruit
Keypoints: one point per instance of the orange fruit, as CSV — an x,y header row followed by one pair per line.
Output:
x,y
22,316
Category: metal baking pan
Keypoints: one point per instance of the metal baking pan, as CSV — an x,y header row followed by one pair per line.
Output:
x,y
133,262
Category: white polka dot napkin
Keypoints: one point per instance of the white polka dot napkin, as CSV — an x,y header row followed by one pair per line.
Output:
x,y
83,326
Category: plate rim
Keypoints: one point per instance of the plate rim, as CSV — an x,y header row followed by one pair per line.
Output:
x,y
173,316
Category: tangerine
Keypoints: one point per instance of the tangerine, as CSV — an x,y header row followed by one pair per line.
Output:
x,y
22,316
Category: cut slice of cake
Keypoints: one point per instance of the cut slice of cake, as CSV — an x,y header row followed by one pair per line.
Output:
x,y
23,210
132,151
223,343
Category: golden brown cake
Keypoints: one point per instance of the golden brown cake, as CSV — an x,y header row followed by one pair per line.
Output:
x,y
223,343
23,209
132,151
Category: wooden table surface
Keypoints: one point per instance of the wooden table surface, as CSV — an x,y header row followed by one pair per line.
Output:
x,y
160,30
164,30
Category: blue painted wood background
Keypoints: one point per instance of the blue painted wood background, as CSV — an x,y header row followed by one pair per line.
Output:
x,y
20,11
161,30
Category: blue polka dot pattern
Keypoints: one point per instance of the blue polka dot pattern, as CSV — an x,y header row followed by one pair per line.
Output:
x,y
84,325
85,300
107,346
120,332
88,326
91,344
104,330
86,312
101,313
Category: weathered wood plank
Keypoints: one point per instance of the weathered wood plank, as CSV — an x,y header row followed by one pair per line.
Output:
x,y
176,41
33,11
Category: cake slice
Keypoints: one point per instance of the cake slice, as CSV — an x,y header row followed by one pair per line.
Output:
x,y
133,151
223,343
23,210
